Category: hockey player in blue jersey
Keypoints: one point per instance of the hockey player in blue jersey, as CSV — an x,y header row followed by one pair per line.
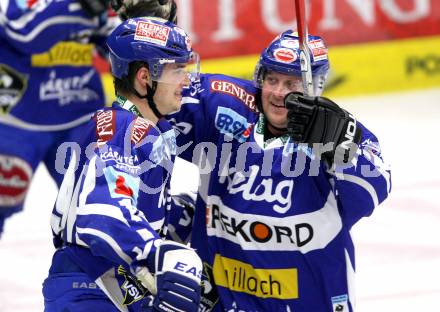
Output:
x,y
48,84
110,210
273,215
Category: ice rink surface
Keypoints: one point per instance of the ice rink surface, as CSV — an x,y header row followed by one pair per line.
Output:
x,y
398,247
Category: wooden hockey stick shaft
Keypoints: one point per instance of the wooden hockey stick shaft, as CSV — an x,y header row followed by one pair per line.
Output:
x,y
305,61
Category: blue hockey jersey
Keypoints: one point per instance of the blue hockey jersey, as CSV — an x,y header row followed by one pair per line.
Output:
x,y
112,202
47,80
272,222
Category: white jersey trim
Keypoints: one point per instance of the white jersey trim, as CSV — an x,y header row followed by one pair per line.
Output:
x,y
103,210
365,185
108,239
190,100
15,122
19,24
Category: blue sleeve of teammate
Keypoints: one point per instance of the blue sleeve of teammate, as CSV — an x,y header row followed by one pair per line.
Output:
x,y
192,121
108,221
180,218
36,29
364,184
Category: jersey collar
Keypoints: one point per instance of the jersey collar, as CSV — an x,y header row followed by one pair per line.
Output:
x,y
272,142
128,105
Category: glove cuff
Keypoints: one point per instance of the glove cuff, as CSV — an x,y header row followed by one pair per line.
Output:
x,y
178,258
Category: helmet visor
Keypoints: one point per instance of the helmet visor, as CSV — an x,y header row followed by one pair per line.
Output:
x,y
175,70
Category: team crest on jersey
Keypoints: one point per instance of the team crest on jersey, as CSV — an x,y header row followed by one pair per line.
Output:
x,y
12,87
209,296
134,290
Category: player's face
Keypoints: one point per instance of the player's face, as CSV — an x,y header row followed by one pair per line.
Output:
x,y
274,89
168,94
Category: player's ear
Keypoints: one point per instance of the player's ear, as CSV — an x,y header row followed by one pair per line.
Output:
x,y
143,76
141,79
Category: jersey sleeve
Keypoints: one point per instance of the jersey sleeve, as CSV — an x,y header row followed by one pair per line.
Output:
x,y
193,120
363,184
36,29
214,106
180,218
103,213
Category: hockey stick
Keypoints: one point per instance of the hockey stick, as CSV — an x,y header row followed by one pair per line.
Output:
x,y
304,56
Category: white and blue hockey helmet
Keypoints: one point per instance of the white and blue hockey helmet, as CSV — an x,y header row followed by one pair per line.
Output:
x,y
282,56
155,41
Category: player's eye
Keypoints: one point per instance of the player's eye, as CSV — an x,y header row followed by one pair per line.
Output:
x,y
271,80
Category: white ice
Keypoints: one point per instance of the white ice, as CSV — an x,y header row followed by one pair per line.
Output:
x,y
397,248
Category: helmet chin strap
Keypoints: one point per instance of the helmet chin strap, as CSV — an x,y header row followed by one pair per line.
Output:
x,y
150,93
149,96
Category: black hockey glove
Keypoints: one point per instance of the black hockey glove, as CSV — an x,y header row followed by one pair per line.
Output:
x,y
95,7
154,8
316,119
